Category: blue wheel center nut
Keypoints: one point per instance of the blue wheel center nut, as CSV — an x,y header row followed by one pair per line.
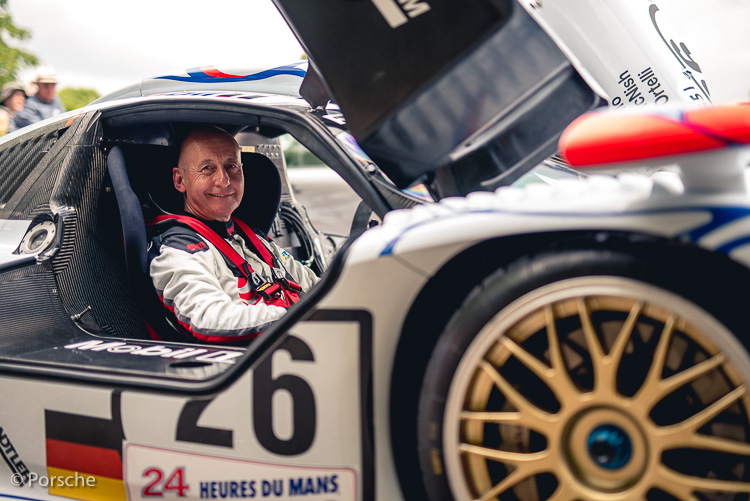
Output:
x,y
609,446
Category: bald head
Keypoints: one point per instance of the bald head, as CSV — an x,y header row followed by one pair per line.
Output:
x,y
209,174
200,136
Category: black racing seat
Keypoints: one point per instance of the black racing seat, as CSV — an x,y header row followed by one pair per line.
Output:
x,y
142,180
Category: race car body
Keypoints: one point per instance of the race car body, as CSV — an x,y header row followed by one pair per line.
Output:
x,y
558,335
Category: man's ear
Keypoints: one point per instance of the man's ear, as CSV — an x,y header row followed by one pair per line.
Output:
x,y
178,180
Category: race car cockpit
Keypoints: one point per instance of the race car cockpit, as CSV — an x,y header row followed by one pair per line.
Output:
x,y
145,191
78,190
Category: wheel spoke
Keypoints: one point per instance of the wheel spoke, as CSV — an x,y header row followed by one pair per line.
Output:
x,y
670,384
502,486
530,361
563,493
660,354
690,426
610,363
718,444
596,352
508,418
520,402
657,366
506,457
626,332
538,464
556,359
657,480
677,491
692,483
493,417
555,352
559,386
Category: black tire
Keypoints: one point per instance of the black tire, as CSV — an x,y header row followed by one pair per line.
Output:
x,y
572,435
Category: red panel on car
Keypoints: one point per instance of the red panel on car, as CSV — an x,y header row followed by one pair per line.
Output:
x,y
731,122
597,139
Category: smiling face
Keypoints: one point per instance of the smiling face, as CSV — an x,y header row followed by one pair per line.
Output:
x,y
16,101
210,174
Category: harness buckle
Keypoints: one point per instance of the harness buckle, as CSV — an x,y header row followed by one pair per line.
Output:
x,y
289,284
269,290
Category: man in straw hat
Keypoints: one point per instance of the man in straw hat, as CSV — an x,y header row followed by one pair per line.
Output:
x,y
45,103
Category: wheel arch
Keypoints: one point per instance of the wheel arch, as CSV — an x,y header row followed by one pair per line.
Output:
x,y
433,308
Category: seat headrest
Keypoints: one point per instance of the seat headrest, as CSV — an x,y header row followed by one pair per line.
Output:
x,y
262,197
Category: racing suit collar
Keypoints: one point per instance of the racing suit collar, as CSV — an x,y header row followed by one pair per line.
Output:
x,y
223,229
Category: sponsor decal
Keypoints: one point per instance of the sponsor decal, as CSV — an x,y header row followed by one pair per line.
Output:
x,y
698,91
85,447
635,95
398,13
193,248
199,354
152,472
20,473
632,92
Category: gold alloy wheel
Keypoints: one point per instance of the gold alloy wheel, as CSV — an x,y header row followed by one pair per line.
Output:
x,y
600,388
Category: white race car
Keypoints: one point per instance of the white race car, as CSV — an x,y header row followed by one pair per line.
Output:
x,y
572,339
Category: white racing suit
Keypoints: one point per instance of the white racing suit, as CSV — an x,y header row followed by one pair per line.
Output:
x,y
208,295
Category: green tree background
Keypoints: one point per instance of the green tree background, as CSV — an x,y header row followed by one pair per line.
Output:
x,y
12,59
74,97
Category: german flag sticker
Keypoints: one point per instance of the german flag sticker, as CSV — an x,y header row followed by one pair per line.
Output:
x,y
87,453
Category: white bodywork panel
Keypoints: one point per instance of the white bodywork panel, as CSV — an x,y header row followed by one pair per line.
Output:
x,y
306,439
625,49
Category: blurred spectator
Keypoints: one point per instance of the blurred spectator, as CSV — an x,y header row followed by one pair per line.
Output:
x,y
45,103
12,99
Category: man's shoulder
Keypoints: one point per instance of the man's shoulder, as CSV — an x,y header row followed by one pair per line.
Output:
x,y
181,238
33,102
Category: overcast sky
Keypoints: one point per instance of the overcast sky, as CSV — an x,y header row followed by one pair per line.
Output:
x,y
106,45
110,44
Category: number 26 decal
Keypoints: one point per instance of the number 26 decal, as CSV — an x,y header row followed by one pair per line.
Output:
x,y
303,413
265,385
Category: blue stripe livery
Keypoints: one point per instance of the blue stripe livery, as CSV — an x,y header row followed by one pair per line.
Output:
x,y
199,76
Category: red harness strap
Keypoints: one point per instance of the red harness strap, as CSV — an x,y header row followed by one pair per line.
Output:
x,y
267,257
273,294
291,288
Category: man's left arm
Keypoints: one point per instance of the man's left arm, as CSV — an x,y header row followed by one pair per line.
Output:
x,y
303,275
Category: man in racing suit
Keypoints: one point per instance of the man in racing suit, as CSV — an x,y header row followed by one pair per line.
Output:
x,y
215,297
